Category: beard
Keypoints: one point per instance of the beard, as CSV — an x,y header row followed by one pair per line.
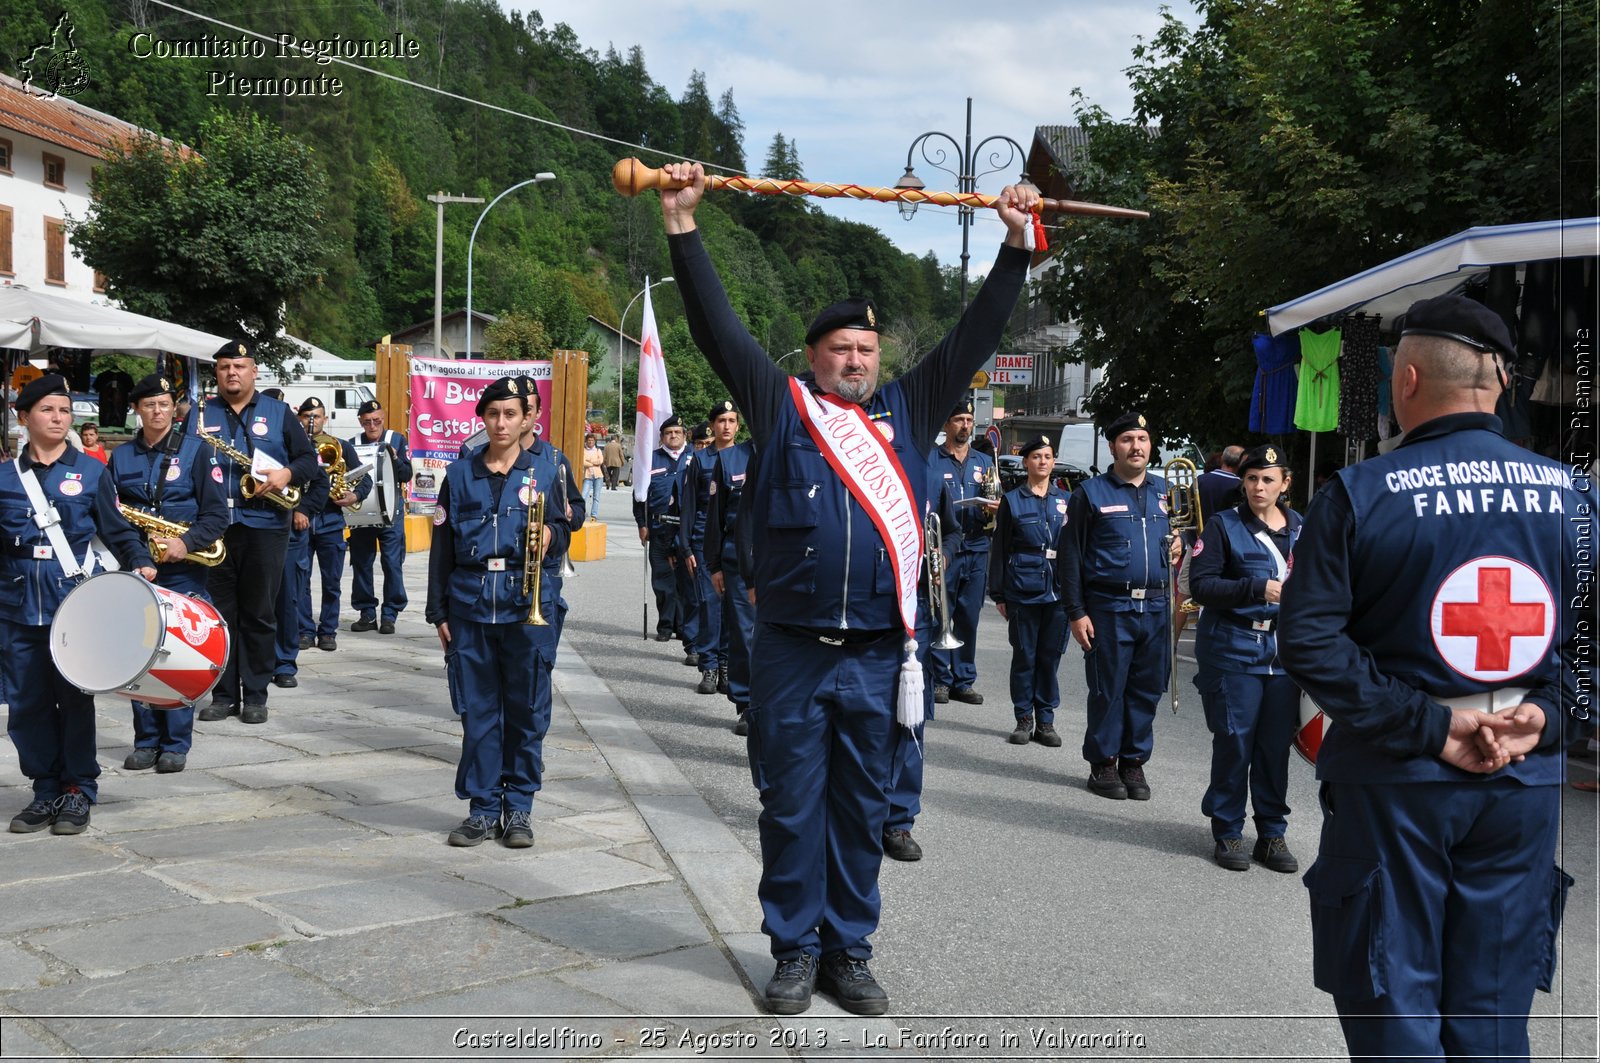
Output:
x,y
856,391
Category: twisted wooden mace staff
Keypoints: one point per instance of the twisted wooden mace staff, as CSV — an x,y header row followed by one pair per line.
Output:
x,y
630,176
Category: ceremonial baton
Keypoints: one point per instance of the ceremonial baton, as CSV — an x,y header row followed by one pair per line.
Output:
x,y
630,176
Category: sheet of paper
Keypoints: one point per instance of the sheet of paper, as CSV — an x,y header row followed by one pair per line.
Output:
x,y
262,463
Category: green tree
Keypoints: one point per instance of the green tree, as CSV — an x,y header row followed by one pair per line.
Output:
x,y
516,337
218,240
1298,142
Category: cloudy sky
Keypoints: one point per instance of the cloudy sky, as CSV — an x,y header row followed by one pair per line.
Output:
x,y
853,83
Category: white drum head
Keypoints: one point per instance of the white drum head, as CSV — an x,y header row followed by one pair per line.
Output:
x,y
107,632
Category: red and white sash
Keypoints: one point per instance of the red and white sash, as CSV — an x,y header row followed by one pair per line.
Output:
x,y
866,463
872,473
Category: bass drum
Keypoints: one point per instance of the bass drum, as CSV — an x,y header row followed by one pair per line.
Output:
x,y
377,509
1314,724
117,633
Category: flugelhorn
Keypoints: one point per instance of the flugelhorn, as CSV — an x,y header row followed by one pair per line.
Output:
x,y
1183,514
938,590
533,560
157,528
249,486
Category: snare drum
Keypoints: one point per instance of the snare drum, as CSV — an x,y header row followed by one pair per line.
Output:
x,y
119,634
1313,726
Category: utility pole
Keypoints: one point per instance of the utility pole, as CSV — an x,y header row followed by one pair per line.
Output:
x,y
438,264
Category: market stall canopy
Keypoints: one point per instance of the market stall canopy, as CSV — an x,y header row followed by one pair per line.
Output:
x,y
1388,290
31,321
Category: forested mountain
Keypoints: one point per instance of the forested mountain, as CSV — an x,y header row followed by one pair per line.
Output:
x,y
557,252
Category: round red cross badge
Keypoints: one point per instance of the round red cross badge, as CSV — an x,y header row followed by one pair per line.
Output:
x,y
1493,619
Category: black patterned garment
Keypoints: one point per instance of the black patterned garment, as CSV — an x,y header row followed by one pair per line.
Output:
x,y
1358,379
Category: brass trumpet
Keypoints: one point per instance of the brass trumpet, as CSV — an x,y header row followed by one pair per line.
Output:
x,y
156,528
533,560
938,589
249,486
1183,514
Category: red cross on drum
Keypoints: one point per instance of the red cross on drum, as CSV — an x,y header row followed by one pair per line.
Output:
x,y
1493,619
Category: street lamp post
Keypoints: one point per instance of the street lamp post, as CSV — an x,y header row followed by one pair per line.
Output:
x,y
438,265
622,339
535,179
967,157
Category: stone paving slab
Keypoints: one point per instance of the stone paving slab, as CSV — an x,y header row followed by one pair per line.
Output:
x,y
88,899
119,787
325,768
437,816
694,981
621,825
563,875
686,824
617,925
725,884
399,963
210,840
182,1010
119,945
162,812
19,969
384,902
42,857
243,875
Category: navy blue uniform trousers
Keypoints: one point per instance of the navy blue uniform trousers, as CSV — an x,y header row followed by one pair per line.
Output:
x,y
1038,639
822,741
296,581
739,634
1127,673
1252,718
389,544
328,545
670,609
170,730
51,721
967,580
1403,880
502,684
708,639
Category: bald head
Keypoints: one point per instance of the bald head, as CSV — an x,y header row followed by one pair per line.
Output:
x,y
1435,376
1231,456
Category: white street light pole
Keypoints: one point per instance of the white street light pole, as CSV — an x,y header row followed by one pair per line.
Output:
x,y
622,340
438,264
535,179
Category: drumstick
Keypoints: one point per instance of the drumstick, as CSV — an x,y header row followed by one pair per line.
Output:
x,y
630,176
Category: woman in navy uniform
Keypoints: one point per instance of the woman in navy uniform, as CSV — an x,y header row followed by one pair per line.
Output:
x,y
1252,706
497,665
175,477
51,721
1022,582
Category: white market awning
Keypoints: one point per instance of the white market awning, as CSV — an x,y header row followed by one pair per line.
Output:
x,y
1388,290
31,321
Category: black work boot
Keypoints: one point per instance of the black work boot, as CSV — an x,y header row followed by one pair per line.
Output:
x,y
708,683
1231,855
789,990
722,680
1132,776
1103,780
1023,732
1274,855
852,985
898,844
1045,735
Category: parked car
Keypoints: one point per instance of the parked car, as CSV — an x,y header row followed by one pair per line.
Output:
x,y
85,407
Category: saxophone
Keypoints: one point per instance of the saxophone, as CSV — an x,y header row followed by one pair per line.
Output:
x,y
157,528
249,486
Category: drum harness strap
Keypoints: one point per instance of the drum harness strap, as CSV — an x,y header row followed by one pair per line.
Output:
x,y
48,520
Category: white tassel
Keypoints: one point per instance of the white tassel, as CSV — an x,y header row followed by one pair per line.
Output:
x,y
908,705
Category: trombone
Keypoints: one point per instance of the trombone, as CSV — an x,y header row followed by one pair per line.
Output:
x,y
1183,515
938,589
533,560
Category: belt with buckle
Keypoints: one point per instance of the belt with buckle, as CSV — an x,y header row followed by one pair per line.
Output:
x,y
836,636
38,552
1488,701
1263,625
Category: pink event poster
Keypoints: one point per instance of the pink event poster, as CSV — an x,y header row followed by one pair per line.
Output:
x,y
443,394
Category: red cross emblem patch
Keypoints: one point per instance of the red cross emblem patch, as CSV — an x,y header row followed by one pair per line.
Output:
x,y
1493,619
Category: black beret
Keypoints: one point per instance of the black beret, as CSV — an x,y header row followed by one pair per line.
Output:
x,y
963,409
151,386
725,406
671,422
848,313
370,406
506,387
529,387
273,393
33,391
1037,443
702,431
1128,422
312,403
1267,457
1455,317
234,349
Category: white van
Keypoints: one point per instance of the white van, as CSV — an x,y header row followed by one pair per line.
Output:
x,y
341,385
